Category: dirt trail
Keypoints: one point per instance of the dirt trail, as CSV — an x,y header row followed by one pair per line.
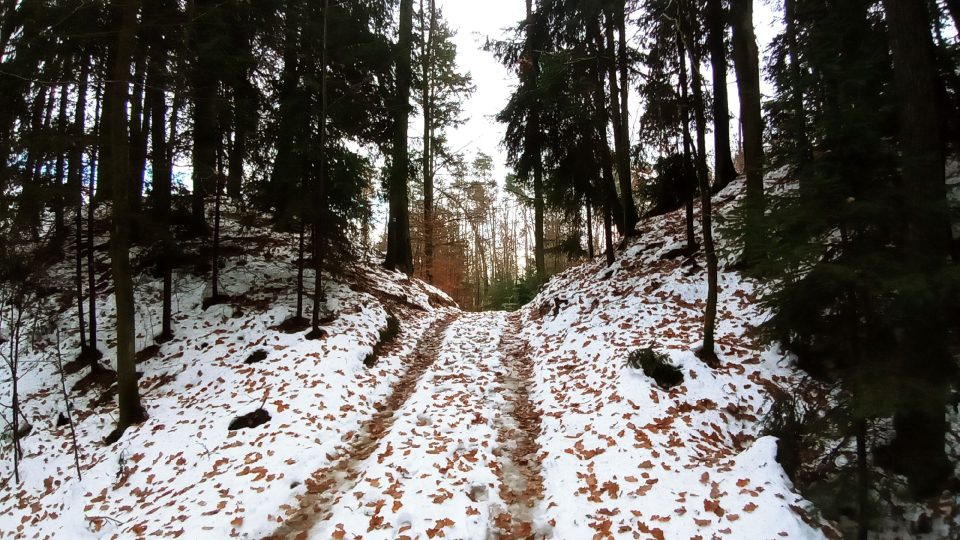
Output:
x,y
518,428
324,485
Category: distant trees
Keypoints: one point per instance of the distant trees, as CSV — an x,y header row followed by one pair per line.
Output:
x,y
442,90
484,237
574,67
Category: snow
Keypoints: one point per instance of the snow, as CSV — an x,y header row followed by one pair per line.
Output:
x,y
603,452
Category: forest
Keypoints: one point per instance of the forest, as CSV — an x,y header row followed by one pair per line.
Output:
x,y
747,210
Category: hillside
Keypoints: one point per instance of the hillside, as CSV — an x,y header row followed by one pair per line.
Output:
x,y
466,425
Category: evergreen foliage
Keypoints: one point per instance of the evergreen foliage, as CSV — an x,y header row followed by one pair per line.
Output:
x,y
657,366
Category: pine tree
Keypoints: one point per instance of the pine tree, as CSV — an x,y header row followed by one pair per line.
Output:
x,y
399,252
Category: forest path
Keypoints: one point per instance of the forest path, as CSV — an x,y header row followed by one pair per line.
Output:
x,y
453,453
325,484
518,432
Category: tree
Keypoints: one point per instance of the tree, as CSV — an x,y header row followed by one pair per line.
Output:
x,y
707,353
855,267
75,182
130,410
442,90
399,252
531,65
747,62
724,171
204,49
320,188
159,78
619,82
920,419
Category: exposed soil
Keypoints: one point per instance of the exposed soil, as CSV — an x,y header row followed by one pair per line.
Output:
x,y
518,430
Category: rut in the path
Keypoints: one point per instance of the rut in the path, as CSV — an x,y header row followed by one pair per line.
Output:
x,y
521,484
326,484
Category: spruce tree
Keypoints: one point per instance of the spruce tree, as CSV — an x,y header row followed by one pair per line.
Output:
x,y
399,251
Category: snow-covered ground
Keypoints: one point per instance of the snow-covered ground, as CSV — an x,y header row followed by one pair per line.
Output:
x,y
469,426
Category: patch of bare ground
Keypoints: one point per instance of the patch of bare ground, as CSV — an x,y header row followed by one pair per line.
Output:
x,y
518,432
326,485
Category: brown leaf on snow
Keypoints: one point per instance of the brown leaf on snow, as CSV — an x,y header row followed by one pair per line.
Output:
x,y
438,529
714,507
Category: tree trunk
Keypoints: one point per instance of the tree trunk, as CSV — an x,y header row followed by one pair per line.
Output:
x,y
287,166
96,171
920,422
688,172
300,268
75,183
129,411
205,118
59,200
624,64
747,62
320,189
601,121
215,297
162,165
104,139
608,232
591,250
621,134
708,352
399,252
863,481
244,105
532,143
427,23
139,128
724,170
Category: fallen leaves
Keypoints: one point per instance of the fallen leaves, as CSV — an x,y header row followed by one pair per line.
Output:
x,y
437,529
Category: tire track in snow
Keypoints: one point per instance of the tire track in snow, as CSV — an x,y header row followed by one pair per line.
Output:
x,y
521,483
324,485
